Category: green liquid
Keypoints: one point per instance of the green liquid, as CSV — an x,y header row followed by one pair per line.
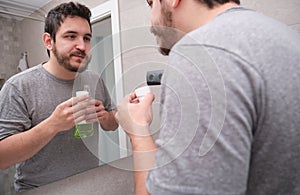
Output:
x,y
83,130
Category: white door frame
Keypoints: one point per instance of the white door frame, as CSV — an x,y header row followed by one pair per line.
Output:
x,y
111,8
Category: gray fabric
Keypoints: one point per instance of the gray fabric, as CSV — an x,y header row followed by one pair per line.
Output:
x,y
29,98
230,110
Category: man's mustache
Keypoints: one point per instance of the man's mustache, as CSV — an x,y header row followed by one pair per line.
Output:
x,y
79,53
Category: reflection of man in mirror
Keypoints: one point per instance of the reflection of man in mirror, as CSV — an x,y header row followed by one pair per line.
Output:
x,y
38,113
230,103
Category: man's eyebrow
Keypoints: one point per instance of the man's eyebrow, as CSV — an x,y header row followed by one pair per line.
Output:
x,y
88,34
71,32
74,32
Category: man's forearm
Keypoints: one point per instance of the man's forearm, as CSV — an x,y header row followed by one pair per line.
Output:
x,y
22,146
144,150
140,182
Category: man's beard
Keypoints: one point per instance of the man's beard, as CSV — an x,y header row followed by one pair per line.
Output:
x,y
165,32
64,60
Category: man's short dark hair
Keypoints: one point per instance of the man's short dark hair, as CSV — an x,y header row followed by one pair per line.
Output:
x,y
213,3
57,15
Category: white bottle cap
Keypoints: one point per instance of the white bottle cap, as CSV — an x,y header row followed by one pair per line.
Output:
x,y
142,91
80,93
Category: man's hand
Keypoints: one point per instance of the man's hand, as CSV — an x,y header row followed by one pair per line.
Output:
x,y
68,113
95,112
135,116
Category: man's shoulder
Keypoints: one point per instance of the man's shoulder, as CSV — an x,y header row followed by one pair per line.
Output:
x,y
25,75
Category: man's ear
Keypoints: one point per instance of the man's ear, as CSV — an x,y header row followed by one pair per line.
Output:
x,y
47,41
175,3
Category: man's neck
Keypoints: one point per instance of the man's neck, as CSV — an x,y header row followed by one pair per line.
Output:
x,y
59,71
198,15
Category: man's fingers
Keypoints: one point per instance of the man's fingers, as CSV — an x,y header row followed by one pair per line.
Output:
x,y
132,96
76,100
97,102
84,105
149,98
79,113
79,119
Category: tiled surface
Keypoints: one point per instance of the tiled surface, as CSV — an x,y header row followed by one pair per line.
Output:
x,y
10,33
287,11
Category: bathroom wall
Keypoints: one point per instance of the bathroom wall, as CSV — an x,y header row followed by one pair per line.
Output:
x,y
10,42
287,11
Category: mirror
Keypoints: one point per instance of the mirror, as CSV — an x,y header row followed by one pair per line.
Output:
x,y
105,46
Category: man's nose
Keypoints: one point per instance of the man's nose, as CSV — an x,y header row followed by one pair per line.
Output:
x,y
81,45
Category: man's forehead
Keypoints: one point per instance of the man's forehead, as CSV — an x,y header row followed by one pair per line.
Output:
x,y
69,24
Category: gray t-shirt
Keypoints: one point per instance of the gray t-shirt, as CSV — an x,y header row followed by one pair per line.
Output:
x,y
29,98
230,110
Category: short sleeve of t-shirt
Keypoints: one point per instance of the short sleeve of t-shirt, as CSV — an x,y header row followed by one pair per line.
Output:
x,y
13,115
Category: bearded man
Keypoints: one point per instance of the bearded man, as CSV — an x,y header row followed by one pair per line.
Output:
x,y
39,110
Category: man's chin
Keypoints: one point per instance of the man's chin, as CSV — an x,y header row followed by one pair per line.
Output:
x,y
79,66
79,69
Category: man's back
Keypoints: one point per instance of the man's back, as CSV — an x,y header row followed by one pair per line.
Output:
x,y
257,62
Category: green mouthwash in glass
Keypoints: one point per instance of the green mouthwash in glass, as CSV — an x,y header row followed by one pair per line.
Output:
x,y
83,129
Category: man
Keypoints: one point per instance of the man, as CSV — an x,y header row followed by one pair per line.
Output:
x,y
38,113
230,103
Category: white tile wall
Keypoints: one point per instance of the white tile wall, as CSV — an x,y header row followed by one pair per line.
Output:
x,y
287,11
10,34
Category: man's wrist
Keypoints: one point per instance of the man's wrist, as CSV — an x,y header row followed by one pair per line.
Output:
x,y
51,128
142,143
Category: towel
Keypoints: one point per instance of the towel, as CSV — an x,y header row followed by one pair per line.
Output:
x,y
23,64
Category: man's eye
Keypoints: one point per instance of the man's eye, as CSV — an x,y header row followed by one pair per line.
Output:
x,y
71,36
87,39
